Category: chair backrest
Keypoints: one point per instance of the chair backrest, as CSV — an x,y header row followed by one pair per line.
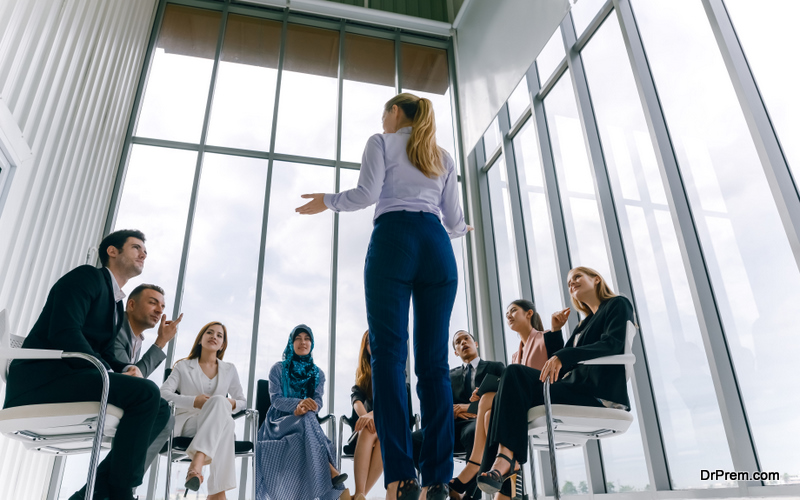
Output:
x,y
263,400
630,333
7,341
4,343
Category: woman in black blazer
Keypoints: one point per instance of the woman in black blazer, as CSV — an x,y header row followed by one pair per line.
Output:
x,y
600,333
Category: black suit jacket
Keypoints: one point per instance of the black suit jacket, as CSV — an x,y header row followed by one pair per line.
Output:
x,y
457,378
602,334
78,316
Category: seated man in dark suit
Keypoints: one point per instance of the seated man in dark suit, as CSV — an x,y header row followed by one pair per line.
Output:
x,y
84,313
464,381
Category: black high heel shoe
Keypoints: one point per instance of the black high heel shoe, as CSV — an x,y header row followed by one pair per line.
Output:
x,y
408,489
193,481
438,492
459,487
337,480
491,481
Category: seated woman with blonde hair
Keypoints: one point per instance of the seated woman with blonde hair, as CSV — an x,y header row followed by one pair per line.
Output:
x,y
199,385
602,332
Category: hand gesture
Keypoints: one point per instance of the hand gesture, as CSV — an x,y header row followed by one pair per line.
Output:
x,y
200,400
462,412
301,409
167,330
311,404
133,371
469,228
367,422
559,319
474,396
550,369
315,206
233,403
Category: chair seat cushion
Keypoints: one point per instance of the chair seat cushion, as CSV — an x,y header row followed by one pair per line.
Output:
x,y
577,424
58,423
181,443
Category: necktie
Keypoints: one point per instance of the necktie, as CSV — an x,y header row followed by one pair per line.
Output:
x,y
468,380
118,312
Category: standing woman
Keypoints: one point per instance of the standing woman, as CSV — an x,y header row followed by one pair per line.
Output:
x,y
199,385
410,257
602,332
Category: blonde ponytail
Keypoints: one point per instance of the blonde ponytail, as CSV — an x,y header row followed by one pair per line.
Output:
x,y
422,150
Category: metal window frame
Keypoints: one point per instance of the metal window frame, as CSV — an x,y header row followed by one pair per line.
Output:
x,y
732,407
776,167
650,427
782,184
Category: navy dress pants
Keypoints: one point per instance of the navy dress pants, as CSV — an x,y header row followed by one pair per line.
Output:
x,y
410,258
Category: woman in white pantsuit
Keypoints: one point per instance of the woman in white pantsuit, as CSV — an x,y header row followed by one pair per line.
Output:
x,y
199,386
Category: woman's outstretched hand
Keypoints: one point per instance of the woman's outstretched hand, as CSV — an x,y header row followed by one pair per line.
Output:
x,y
315,206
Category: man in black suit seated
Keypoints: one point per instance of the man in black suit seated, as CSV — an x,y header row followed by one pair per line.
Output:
x,y
464,380
84,313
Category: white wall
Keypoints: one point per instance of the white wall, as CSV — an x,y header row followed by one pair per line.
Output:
x,y
496,43
68,75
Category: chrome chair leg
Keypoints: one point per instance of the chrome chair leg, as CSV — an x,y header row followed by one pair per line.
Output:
x,y
551,438
101,421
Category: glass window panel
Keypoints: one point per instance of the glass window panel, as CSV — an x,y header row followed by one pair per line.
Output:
x,y
736,219
520,99
223,256
309,93
369,75
551,56
158,186
297,270
459,318
571,471
623,456
504,246
583,12
425,74
244,96
547,284
765,30
694,436
492,139
177,87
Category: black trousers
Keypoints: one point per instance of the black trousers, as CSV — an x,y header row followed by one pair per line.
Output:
x,y
145,416
519,391
464,439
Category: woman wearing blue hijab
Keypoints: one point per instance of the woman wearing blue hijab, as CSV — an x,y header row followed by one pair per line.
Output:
x,y
294,456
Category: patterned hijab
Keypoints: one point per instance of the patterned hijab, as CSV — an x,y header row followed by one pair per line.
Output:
x,y
300,374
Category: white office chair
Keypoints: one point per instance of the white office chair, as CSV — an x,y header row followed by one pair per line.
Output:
x,y
553,427
58,428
